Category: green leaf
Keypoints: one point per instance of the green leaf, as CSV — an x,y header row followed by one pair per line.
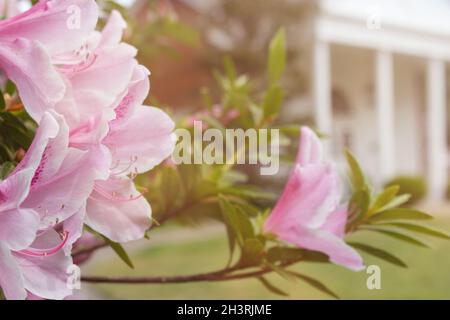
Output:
x,y
283,254
2,101
315,283
230,69
251,252
397,202
237,220
120,251
5,169
172,188
399,236
277,56
420,229
315,256
272,288
357,177
400,214
12,120
10,87
231,236
247,191
272,101
386,256
15,130
359,205
5,153
384,198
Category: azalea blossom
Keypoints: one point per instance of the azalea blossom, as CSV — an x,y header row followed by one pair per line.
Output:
x,y
138,138
103,106
51,182
104,88
28,42
63,181
309,213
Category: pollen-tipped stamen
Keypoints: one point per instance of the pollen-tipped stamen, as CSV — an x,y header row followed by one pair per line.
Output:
x,y
33,252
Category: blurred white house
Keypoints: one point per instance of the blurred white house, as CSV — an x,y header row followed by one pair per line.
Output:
x,y
378,82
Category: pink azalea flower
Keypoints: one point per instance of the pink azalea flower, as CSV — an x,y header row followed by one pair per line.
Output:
x,y
97,76
308,213
28,42
104,111
139,138
62,182
51,181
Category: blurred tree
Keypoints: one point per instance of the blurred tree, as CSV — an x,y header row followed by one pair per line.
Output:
x,y
240,30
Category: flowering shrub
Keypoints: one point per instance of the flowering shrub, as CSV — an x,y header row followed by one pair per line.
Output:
x,y
77,140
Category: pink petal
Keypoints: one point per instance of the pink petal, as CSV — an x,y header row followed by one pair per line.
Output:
x,y
113,30
63,194
336,222
14,189
74,226
142,141
48,129
28,65
46,277
18,228
310,150
118,211
137,92
48,23
318,240
104,82
11,280
310,196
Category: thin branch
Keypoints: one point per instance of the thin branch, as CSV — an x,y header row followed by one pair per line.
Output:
x,y
226,274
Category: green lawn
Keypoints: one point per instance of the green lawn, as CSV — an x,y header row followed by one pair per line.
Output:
x,y
428,275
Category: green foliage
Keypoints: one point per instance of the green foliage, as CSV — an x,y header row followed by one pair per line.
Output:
x,y
379,253
382,213
120,251
116,247
277,56
416,187
2,101
5,169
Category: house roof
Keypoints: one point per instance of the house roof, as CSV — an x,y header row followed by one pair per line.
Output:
x,y
432,16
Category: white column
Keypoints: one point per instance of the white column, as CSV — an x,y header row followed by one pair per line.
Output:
x,y
436,129
322,87
384,97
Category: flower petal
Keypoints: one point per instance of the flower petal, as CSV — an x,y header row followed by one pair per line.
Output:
x,y
310,149
47,276
118,211
28,65
11,280
141,142
327,243
60,25
18,228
